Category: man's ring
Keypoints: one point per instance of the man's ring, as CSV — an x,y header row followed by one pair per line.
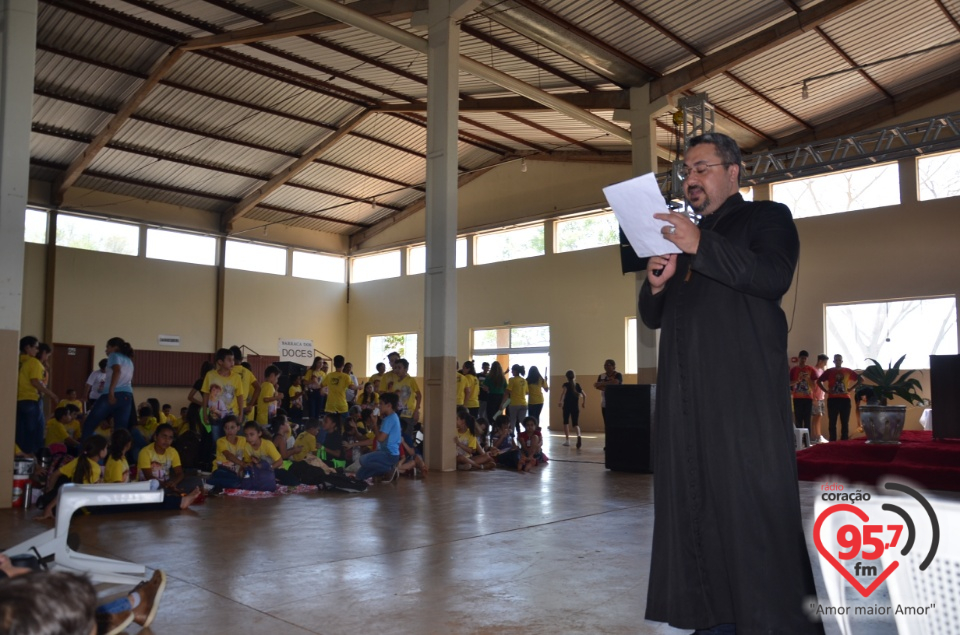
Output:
x,y
672,229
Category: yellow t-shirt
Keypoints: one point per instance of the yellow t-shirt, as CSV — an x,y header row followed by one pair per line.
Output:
x,y
105,429
70,469
267,450
461,386
236,449
230,389
116,471
517,391
388,382
374,379
246,377
73,429
306,444
536,391
30,369
266,410
148,425
407,389
373,403
312,375
56,433
336,384
151,464
468,440
295,392
473,401
70,402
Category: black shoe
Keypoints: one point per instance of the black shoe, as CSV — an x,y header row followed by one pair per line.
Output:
x,y
216,491
579,442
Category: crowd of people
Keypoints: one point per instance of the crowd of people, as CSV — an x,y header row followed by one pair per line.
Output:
x,y
818,390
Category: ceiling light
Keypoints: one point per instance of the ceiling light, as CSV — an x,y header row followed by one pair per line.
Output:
x,y
523,165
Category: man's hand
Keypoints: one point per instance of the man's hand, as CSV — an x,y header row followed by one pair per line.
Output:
x,y
666,265
681,232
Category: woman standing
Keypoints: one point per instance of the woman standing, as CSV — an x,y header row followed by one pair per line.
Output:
x,y
536,386
311,382
30,422
118,400
517,393
471,399
496,385
570,400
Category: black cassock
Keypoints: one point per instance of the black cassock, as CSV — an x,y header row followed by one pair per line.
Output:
x,y
728,544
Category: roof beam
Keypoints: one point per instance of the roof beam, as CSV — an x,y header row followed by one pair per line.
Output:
x,y
252,199
724,59
387,10
600,100
82,162
872,115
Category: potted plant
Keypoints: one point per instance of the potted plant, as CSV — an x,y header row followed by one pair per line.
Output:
x,y
883,423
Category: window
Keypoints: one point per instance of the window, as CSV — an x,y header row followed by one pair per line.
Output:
x,y
886,330
510,245
181,247
510,337
255,257
319,266
939,176
378,346
80,232
417,257
586,232
376,267
35,226
864,188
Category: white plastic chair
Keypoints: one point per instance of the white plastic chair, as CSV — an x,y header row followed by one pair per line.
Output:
x,y
73,497
802,437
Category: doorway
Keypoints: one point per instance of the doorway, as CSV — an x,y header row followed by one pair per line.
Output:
x,y
525,345
71,365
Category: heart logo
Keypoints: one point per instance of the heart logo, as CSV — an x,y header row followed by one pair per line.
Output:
x,y
862,515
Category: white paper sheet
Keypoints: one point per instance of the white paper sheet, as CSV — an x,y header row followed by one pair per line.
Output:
x,y
634,203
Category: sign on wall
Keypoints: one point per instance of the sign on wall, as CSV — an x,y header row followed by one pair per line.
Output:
x,y
168,340
299,351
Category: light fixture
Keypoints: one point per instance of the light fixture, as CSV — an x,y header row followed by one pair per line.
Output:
x,y
804,93
373,205
523,165
264,230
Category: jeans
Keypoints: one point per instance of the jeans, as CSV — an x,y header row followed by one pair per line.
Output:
x,y
516,415
314,404
534,410
30,426
378,462
101,410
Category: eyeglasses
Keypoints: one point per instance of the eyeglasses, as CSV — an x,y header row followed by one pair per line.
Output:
x,y
699,168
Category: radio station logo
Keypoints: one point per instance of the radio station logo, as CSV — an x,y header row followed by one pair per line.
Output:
x,y
869,538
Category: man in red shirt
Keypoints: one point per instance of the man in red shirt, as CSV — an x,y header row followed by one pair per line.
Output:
x,y
838,382
802,382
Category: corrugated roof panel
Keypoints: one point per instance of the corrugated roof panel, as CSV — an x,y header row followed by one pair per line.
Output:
x,y
708,26
61,114
54,149
96,40
300,199
355,152
152,194
172,174
199,148
76,79
342,181
396,130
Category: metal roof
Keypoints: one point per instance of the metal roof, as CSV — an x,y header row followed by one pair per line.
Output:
x,y
224,120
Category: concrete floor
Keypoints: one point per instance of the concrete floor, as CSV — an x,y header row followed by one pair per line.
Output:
x,y
563,550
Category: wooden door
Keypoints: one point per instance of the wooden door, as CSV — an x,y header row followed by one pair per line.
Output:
x,y
71,365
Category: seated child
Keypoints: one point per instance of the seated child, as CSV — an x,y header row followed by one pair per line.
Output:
x,y
144,428
75,427
332,446
71,400
502,445
470,456
531,444
117,470
229,461
84,469
261,455
283,438
306,442
58,432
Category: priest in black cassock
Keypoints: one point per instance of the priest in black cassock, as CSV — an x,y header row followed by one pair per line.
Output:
x,y
729,554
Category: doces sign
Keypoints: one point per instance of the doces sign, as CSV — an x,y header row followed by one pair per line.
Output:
x,y
299,351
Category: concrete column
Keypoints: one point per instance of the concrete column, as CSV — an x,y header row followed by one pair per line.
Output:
x,y
18,38
440,311
643,131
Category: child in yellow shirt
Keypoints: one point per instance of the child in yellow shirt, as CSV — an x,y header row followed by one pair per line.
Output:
x,y
57,431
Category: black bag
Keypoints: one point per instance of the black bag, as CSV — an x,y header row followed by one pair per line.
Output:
x,y
187,446
308,474
343,483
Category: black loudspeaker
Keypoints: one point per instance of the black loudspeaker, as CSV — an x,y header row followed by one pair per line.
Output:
x,y
629,421
944,382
